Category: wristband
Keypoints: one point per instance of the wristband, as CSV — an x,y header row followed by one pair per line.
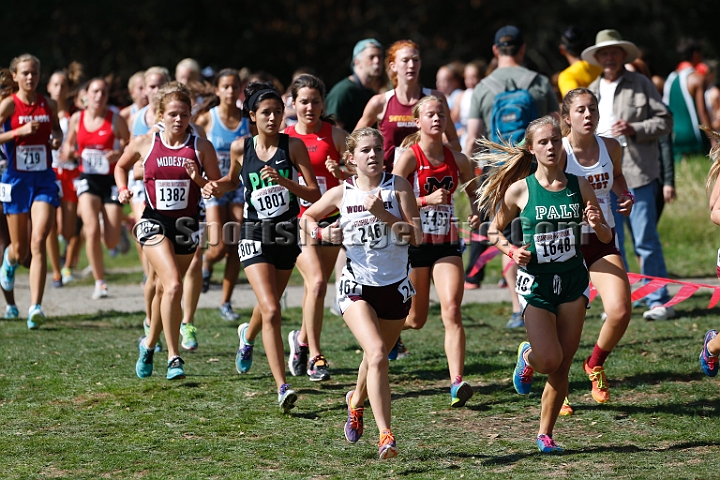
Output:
x,y
423,202
122,189
15,134
511,252
316,233
629,194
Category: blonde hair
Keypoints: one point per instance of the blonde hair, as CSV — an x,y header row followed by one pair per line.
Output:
x,y
414,137
169,92
714,155
354,138
162,71
136,77
508,164
390,57
25,57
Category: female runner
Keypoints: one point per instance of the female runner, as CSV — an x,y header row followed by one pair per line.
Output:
x,y
599,160
224,124
269,164
436,172
96,138
552,280
30,194
136,89
324,143
173,163
376,214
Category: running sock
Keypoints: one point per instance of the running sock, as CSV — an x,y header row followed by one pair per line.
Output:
x,y
302,344
598,357
99,283
458,379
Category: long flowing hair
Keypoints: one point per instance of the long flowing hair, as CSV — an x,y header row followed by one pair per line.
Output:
x,y
715,157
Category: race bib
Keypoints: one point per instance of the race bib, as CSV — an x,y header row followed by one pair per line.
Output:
x,y
406,289
172,194
94,162
271,202
372,235
31,158
5,190
555,246
224,162
524,282
248,249
322,183
436,219
348,286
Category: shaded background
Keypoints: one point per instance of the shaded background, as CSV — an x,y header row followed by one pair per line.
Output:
x,y
279,36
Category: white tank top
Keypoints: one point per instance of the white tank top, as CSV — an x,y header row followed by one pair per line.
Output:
x,y
375,255
600,176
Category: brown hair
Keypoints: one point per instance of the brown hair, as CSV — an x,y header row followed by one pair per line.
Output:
x,y
414,137
25,57
172,91
508,164
390,57
354,138
567,104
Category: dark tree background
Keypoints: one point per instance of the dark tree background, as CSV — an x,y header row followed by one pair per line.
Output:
x,y
279,36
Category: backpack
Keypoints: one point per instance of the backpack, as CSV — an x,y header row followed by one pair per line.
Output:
x,y
512,109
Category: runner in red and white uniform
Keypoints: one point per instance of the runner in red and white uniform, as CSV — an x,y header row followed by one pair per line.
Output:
x,y
100,134
324,143
31,129
436,172
173,162
392,110
599,160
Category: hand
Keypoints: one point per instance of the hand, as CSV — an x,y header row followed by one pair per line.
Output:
x,y
27,129
113,155
334,168
593,216
522,256
621,127
210,190
191,169
669,194
625,204
333,233
474,222
438,197
55,143
269,174
375,204
124,195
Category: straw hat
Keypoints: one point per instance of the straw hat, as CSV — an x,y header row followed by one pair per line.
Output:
x,y
610,38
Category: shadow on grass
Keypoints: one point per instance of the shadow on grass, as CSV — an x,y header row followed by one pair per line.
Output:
x,y
702,407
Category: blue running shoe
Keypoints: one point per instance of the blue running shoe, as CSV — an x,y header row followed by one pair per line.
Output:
x,y
523,375
189,339
146,328
243,359
227,313
11,312
35,317
516,321
144,364
286,398
709,363
7,273
175,369
354,426
460,393
546,444
398,351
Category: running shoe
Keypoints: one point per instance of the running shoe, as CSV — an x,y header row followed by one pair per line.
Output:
x,y
354,426
57,282
298,359
227,313
523,376
546,444
286,398
243,359
516,321
387,447
205,281
398,351
335,310
101,291
471,286
175,369
7,273
600,387
708,362
11,312
144,364
67,276
566,410
146,327
189,340
659,313
460,393
318,369
35,317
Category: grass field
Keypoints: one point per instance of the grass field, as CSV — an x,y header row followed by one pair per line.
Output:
x,y
73,408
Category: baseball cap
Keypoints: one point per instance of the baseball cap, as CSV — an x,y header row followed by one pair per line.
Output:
x,y
362,45
516,36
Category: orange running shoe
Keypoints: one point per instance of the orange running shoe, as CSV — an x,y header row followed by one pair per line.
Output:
x,y
600,387
387,449
566,410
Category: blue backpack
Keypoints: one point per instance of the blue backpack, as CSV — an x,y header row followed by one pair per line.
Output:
x,y
512,109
